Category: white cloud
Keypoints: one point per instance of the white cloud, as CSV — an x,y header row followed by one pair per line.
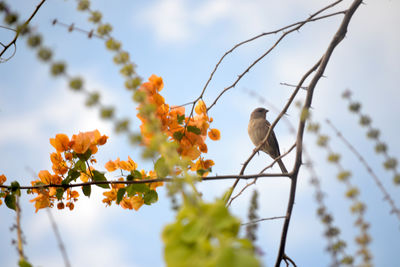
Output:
x,y
61,108
179,21
168,19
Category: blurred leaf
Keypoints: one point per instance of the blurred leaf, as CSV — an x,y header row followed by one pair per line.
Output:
x,y
137,188
150,197
24,263
10,201
193,129
98,177
87,190
161,168
120,194
59,193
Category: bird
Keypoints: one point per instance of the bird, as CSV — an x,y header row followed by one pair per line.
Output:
x,y
258,129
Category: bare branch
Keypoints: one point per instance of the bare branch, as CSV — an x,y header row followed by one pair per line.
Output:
x,y
292,85
149,181
18,32
284,34
71,27
264,219
255,180
337,38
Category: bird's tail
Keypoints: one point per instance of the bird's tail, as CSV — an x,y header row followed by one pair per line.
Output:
x,y
282,166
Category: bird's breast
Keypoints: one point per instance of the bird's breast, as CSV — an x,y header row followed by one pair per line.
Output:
x,y
257,130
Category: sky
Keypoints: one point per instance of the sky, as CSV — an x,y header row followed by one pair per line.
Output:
x,y
182,41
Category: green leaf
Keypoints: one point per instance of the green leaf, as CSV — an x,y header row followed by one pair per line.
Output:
x,y
99,176
15,188
137,188
150,197
120,194
85,156
72,176
87,190
80,165
178,136
181,118
59,193
10,201
136,174
203,171
161,168
24,263
193,129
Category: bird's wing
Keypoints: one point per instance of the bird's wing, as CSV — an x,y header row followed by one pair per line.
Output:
x,y
274,144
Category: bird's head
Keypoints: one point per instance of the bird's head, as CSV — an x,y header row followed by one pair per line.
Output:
x,y
259,113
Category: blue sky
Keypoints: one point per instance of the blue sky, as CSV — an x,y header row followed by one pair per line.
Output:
x,y
182,41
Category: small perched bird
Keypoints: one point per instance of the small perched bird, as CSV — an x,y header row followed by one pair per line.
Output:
x,y
258,129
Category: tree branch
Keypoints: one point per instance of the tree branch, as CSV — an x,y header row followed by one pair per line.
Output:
x,y
5,47
338,37
149,181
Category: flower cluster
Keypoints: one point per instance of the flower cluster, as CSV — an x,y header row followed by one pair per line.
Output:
x,y
189,133
169,126
71,160
132,196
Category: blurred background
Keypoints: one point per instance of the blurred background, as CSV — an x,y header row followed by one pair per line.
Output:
x,y
181,41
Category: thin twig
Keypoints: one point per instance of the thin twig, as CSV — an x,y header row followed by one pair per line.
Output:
x,y
20,240
71,27
284,34
58,237
255,179
18,32
263,219
293,85
287,259
376,179
278,158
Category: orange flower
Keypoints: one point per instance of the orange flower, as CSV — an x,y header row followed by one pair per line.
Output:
x,y
102,140
191,153
73,194
110,166
157,82
60,143
41,201
214,134
112,194
68,156
59,165
85,176
134,202
200,107
70,205
81,142
129,165
52,191
202,165
45,176
2,179
203,148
